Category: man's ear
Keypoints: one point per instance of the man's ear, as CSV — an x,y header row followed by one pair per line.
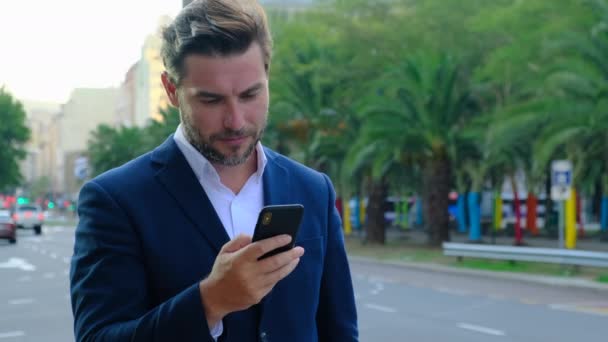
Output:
x,y
170,89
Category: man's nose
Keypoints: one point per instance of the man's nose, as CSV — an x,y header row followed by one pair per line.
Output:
x,y
234,117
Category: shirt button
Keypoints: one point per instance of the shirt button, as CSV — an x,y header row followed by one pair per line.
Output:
x,y
263,336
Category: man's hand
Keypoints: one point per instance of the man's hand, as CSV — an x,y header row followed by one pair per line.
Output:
x,y
238,280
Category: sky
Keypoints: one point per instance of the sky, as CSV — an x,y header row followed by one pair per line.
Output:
x,y
49,47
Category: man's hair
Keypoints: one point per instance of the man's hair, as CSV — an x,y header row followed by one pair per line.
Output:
x,y
214,28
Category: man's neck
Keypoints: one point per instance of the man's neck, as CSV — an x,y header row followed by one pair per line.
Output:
x,y
235,177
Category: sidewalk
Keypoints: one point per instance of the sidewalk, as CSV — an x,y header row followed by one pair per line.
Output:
x,y
417,238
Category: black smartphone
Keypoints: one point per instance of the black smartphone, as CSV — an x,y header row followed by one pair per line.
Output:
x,y
276,220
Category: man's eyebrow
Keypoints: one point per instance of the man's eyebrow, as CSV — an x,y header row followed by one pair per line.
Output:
x,y
204,93
253,88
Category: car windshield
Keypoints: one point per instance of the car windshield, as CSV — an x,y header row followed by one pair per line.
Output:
x,y
5,213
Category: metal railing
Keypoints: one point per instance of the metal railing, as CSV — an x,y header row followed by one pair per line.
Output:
x,y
534,254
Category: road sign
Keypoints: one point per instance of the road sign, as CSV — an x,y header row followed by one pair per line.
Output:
x,y
561,179
81,168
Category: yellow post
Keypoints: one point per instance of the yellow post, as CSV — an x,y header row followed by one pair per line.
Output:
x,y
498,213
348,227
571,220
362,212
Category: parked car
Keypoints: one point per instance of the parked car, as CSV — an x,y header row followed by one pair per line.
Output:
x,y
7,226
30,217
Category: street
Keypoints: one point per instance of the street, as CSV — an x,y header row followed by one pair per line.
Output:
x,y
394,303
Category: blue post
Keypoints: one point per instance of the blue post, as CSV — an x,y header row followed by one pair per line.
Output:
x,y
419,216
474,217
355,214
461,215
604,214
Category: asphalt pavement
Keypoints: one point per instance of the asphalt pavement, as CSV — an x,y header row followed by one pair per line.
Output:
x,y
395,302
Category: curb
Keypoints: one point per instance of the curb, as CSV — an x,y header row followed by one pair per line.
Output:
x,y
578,283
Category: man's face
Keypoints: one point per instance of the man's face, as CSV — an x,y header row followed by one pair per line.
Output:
x,y
223,104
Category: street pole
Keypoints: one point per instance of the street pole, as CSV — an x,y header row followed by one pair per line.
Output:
x,y
561,225
186,2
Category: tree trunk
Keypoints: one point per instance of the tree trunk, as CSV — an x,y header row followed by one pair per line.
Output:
x,y
579,216
474,217
461,217
436,190
375,226
517,212
531,215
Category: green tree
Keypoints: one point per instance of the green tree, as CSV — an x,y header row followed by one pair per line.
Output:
x,y
426,103
110,147
156,132
15,134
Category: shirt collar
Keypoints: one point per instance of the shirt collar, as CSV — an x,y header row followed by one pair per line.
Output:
x,y
202,167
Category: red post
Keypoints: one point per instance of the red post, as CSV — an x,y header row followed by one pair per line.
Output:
x,y
579,217
531,215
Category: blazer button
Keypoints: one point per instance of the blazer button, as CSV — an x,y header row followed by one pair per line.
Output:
x,y
263,337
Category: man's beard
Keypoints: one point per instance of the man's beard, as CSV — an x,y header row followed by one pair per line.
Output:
x,y
205,145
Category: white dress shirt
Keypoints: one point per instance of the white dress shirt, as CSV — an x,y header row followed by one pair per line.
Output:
x,y
237,212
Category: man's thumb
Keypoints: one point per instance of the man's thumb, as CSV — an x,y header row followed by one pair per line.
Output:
x,y
237,243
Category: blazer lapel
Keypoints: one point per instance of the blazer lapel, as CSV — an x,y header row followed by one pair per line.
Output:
x,y
276,181
181,182
276,191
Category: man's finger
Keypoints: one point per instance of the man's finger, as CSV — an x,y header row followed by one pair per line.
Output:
x,y
259,248
274,277
276,262
236,244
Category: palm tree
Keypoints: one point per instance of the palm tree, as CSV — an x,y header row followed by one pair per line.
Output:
x,y
579,127
418,116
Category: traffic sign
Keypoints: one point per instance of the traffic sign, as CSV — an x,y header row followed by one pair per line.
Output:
x,y
561,180
81,168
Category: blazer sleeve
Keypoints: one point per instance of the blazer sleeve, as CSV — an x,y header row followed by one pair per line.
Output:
x,y
109,291
337,314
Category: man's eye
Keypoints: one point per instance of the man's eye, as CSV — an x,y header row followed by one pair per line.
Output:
x,y
210,100
248,96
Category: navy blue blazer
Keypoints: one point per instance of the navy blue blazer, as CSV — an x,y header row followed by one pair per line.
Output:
x,y
148,235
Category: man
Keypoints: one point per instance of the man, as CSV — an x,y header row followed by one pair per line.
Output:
x,y
163,248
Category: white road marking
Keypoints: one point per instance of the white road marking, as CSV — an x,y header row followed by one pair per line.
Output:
x,y
380,308
53,255
49,275
12,334
378,287
452,291
43,251
21,301
18,263
480,329
66,260
66,272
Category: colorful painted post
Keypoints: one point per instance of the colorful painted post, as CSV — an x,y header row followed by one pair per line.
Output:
x,y
348,227
461,215
571,220
419,215
362,214
405,213
355,214
531,214
474,217
497,212
579,215
604,214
